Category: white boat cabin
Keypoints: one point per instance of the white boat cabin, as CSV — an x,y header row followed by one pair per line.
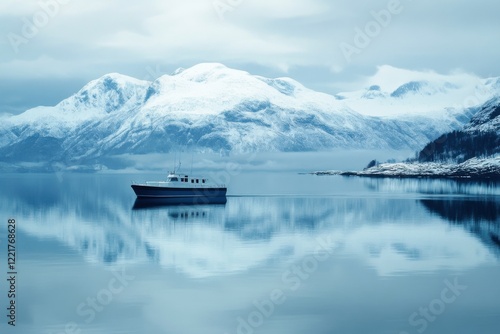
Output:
x,y
175,178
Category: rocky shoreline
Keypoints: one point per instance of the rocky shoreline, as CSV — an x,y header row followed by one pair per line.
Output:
x,y
475,168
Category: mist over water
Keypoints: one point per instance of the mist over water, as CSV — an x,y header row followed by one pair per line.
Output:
x,y
271,161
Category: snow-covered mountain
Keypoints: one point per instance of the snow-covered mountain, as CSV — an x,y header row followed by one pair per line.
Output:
x,y
479,138
394,92
212,107
471,152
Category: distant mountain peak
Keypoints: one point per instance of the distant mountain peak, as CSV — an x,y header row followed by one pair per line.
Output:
x,y
119,79
178,71
424,88
208,67
390,78
206,72
107,93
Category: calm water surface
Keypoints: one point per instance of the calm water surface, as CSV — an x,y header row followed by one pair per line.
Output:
x,y
287,253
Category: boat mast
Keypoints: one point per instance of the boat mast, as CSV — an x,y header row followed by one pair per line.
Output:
x,y
192,154
175,162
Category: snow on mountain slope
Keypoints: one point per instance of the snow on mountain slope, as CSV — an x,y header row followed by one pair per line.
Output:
x,y
212,107
487,120
475,168
478,138
472,152
110,93
217,107
211,88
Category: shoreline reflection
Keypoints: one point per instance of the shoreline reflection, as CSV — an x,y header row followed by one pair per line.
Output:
x,y
100,220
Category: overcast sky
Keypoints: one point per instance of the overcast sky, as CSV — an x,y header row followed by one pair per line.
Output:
x,y
51,48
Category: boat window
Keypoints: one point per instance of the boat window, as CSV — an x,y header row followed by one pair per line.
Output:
x,y
192,180
173,179
203,180
197,181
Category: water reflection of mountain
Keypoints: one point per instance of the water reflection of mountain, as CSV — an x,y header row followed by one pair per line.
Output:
x,y
94,216
476,208
480,216
434,186
470,211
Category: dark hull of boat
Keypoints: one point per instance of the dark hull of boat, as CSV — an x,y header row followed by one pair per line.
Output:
x,y
144,191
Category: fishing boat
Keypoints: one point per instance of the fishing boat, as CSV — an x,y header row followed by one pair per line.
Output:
x,y
181,186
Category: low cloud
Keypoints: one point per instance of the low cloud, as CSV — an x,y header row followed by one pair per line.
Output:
x,y
82,40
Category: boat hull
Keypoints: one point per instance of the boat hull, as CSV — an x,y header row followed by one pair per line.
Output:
x,y
145,191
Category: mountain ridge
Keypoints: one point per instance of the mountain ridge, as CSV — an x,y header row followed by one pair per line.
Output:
x,y
480,138
472,152
212,107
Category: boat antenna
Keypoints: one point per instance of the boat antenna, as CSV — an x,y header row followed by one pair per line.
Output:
x,y
192,162
175,160
180,160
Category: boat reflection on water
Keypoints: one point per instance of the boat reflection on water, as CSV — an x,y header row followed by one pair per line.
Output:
x,y
144,203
